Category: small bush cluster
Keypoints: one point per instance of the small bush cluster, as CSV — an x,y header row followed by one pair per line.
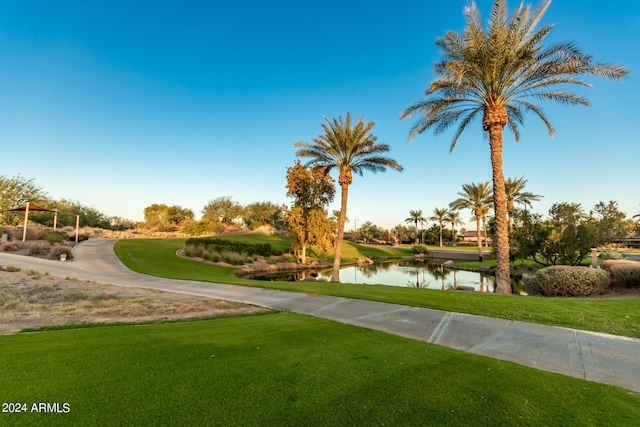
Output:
x,y
209,254
39,249
11,247
604,256
53,237
419,249
220,245
56,251
624,273
531,285
571,281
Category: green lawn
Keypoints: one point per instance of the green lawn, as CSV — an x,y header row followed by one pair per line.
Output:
x,y
284,369
621,317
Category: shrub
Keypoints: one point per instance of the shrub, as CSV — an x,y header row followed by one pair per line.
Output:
x,y
56,251
571,281
220,245
39,249
10,247
195,228
419,249
624,273
531,285
53,237
604,256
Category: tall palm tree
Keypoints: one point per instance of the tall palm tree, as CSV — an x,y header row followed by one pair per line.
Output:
x,y
475,197
485,212
499,73
453,217
514,189
439,215
415,217
349,148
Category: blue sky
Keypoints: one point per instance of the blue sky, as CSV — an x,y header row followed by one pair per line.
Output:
x,y
121,104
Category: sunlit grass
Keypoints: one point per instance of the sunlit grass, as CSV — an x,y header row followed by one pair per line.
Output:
x,y
284,369
157,257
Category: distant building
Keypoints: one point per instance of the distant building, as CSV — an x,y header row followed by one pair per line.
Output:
x,y
472,236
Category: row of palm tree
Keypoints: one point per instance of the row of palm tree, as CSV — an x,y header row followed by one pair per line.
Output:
x,y
498,74
477,198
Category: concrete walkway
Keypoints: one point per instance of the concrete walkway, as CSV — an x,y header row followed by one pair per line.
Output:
x,y
592,356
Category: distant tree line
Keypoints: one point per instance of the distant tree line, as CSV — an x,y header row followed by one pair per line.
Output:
x,y
16,192
217,215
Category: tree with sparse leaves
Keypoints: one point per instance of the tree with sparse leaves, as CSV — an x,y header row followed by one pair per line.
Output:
x,y
312,190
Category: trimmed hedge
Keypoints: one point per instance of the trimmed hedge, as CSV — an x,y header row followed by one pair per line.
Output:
x,y
570,281
214,244
624,273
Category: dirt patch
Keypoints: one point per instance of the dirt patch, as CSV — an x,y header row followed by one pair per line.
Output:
x,y
31,300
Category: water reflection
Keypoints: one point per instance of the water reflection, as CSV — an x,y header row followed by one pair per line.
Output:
x,y
415,275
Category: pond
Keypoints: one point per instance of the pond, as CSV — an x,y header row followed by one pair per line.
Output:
x,y
415,275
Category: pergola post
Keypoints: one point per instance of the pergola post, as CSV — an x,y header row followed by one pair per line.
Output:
x,y
26,219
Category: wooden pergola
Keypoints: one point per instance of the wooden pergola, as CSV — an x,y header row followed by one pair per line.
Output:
x,y
31,207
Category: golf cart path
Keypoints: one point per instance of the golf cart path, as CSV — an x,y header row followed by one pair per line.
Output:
x,y
598,357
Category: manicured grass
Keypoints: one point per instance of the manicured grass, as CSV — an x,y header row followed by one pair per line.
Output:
x,y
621,317
353,251
284,369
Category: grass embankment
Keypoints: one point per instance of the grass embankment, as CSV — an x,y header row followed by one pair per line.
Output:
x,y
284,369
157,257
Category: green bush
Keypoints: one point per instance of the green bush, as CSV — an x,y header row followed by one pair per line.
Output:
x,y
195,228
604,256
419,249
571,281
531,285
53,237
624,273
215,244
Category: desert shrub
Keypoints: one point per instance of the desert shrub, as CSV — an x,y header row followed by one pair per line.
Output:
x,y
56,251
604,256
195,228
39,249
10,247
35,233
571,281
419,249
53,237
624,273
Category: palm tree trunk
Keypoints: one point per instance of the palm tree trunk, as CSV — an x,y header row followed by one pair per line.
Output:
x,y
484,229
440,233
479,239
335,273
495,125
453,233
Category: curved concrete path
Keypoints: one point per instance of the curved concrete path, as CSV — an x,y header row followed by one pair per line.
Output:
x,y
592,356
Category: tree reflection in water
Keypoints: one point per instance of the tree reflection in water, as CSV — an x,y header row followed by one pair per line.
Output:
x,y
408,274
